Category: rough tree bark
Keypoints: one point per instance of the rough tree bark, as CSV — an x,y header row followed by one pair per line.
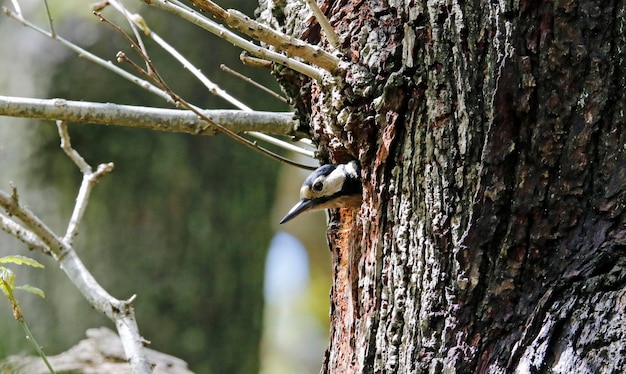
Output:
x,y
492,234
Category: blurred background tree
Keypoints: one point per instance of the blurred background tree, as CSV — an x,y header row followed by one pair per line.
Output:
x,y
184,222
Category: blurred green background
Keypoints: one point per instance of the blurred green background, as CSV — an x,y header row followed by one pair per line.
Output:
x,y
184,222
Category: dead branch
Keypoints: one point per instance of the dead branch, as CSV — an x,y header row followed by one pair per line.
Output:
x,y
153,74
90,178
24,235
291,46
121,312
219,30
168,120
332,37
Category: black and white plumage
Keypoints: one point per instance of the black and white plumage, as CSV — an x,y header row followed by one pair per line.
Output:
x,y
329,186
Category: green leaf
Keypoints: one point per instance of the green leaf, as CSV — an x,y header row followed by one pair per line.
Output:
x,y
31,289
4,289
20,260
8,276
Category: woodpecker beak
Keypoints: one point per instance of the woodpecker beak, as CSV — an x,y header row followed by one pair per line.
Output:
x,y
302,206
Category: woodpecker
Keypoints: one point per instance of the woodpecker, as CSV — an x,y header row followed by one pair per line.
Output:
x,y
329,186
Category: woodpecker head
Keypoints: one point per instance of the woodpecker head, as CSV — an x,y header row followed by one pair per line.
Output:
x,y
329,186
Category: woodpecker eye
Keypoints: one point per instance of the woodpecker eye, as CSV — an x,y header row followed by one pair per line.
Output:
x,y
317,186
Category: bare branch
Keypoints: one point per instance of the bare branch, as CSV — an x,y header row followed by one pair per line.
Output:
x,y
238,138
16,6
24,235
89,181
219,30
50,20
159,81
152,73
120,312
200,128
132,24
282,42
332,37
254,62
66,146
17,15
210,85
212,8
216,90
169,120
12,206
254,83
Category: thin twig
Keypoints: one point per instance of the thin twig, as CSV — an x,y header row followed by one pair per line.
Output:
x,y
212,87
19,316
87,184
179,100
254,83
254,62
16,6
160,82
66,146
196,129
50,20
219,30
148,119
17,15
89,181
332,37
149,72
216,90
31,338
131,23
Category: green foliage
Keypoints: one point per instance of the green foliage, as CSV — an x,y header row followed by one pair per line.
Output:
x,y
7,278
30,289
7,284
20,260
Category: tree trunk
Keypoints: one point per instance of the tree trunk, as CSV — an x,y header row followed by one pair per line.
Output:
x,y
492,233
